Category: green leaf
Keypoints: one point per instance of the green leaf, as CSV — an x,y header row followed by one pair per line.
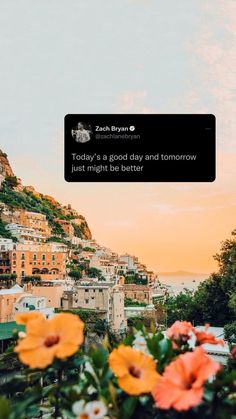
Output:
x,y
128,340
164,347
128,407
99,358
4,408
91,379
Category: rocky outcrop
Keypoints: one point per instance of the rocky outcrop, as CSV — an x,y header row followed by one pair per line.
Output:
x,y
5,168
63,211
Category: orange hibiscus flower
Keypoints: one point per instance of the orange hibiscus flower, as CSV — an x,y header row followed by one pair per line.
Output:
x,y
135,370
45,340
180,331
181,386
24,318
204,337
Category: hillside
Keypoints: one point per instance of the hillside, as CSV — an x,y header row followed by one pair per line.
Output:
x,y
13,195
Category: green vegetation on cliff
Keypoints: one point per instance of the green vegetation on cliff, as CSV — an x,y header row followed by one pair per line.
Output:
x,y
5,233
28,201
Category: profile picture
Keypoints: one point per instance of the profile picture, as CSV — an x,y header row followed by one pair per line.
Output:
x,y
81,132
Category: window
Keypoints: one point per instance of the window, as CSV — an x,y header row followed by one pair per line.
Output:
x,y
53,257
22,273
22,256
43,257
35,256
13,256
86,301
22,264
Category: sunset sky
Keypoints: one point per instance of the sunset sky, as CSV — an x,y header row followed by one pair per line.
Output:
x,y
126,56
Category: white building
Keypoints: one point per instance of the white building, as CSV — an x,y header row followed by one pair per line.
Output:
x,y
25,234
6,244
105,265
129,260
28,303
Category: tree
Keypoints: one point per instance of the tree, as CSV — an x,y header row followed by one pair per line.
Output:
x,y
182,307
5,233
230,332
131,303
89,249
6,277
214,301
32,278
11,181
75,274
95,273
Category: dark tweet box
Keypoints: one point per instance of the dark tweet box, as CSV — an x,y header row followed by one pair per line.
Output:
x,y
139,148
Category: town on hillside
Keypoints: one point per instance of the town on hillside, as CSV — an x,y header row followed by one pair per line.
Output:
x,y
49,262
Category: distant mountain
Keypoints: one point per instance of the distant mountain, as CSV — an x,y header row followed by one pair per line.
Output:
x,y
182,273
15,196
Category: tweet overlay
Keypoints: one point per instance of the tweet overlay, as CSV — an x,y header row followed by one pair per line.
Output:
x,y
139,148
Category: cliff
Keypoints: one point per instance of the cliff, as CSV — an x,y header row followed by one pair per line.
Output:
x,y
14,196
5,168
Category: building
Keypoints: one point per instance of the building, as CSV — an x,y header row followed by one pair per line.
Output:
x,y
139,293
105,265
28,302
151,278
53,292
5,263
122,268
99,297
16,300
8,298
130,261
6,244
25,234
47,260
34,220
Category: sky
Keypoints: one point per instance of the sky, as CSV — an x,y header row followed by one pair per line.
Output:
x,y
126,56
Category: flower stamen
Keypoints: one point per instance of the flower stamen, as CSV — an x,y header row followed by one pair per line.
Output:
x,y
51,341
135,372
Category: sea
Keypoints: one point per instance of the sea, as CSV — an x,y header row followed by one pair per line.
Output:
x,y
178,282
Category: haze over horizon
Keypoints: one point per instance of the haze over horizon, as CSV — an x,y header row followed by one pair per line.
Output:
x,y
143,68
